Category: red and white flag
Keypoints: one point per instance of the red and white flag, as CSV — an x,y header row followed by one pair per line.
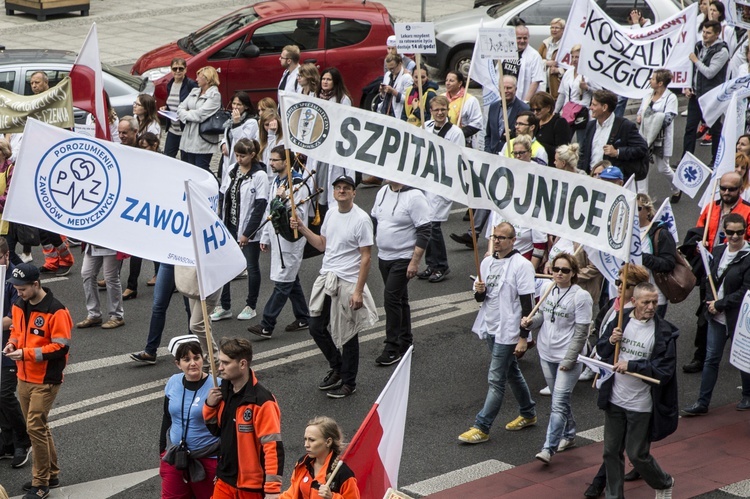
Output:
x,y
88,86
374,454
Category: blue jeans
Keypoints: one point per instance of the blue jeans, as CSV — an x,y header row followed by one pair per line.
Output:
x,y
274,305
252,258
622,104
200,160
503,368
562,424
436,256
163,290
717,338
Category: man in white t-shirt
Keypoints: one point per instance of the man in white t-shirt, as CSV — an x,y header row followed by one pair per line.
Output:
x,y
528,69
401,214
340,302
636,412
507,294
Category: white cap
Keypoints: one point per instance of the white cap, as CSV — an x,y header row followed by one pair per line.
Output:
x,y
391,42
175,342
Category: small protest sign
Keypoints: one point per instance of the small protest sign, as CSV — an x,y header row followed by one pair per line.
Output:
x,y
415,38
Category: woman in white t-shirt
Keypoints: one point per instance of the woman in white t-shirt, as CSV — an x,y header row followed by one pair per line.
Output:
x,y
563,324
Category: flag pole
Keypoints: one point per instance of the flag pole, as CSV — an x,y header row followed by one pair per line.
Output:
x,y
710,210
474,241
501,88
209,341
419,89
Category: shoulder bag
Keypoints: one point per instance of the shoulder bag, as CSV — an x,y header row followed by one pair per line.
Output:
x,y
678,284
212,128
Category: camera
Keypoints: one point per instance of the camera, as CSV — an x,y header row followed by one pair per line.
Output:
x,y
181,456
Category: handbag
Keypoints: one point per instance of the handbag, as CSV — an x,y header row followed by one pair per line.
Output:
x,y
576,115
679,283
212,127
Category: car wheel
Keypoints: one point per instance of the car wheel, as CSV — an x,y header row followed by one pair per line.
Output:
x,y
460,62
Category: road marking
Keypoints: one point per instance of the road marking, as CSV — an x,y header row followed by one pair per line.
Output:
x,y
595,434
739,489
104,488
54,279
457,477
459,309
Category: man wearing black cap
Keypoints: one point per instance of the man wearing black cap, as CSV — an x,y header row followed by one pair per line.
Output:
x,y
39,343
340,297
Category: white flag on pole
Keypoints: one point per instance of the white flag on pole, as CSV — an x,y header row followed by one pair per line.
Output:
x,y
665,215
483,71
218,257
690,175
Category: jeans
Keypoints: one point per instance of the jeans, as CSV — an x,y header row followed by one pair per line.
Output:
x,y
200,160
346,362
172,145
89,271
163,291
717,338
435,255
694,118
398,337
629,431
562,424
36,402
12,422
275,304
503,368
622,104
252,257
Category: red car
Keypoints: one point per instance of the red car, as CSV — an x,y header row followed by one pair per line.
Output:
x,y
245,46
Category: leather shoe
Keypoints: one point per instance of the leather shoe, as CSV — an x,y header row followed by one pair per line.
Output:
x,y
675,198
695,410
594,490
464,239
744,404
129,294
694,366
89,322
632,476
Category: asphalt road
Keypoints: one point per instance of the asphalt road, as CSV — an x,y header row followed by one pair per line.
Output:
x,y
108,413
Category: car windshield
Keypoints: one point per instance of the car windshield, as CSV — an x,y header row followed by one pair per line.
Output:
x,y
128,79
501,8
216,31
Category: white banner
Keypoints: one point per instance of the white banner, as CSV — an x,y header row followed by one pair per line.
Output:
x,y
415,38
586,210
715,102
218,257
739,356
483,71
622,59
106,194
690,175
497,43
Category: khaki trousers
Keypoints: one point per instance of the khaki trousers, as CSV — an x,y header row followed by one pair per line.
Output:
x,y
36,401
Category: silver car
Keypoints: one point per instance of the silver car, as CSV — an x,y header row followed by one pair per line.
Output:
x,y
17,66
455,34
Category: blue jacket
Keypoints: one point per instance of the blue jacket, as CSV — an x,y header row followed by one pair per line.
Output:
x,y
494,140
187,86
661,365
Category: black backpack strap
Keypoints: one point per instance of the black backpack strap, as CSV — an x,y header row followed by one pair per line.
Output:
x,y
444,131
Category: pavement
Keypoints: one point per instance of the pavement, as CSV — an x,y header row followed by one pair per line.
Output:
x,y
106,419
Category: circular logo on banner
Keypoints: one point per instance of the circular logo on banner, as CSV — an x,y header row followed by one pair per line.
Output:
x,y
619,218
77,183
692,174
308,124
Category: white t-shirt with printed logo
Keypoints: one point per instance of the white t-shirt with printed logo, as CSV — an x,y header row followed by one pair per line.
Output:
x,y
637,343
571,306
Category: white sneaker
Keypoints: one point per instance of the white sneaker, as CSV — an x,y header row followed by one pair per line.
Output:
x,y
544,456
26,257
220,314
545,391
586,375
246,314
665,493
566,444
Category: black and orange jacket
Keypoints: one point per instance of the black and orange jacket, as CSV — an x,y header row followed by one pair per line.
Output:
x,y
252,454
42,331
305,482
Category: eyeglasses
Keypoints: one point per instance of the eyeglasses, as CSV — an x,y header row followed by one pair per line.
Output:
x,y
564,270
518,154
177,69
618,283
284,58
520,123
500,238
728,189
731,233
275,160
535,109
441,110
137,104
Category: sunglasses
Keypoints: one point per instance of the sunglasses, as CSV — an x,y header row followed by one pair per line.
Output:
x,y
564,270
177,69
729,189
731,233
618,283
535,109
